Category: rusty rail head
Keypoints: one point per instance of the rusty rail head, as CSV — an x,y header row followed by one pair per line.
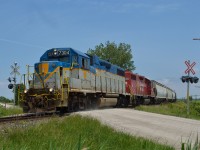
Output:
x,y
28,116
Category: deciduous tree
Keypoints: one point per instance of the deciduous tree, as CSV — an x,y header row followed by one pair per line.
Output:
x,y
120,54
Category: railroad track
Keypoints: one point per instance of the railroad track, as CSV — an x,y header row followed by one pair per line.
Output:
x,y
28,116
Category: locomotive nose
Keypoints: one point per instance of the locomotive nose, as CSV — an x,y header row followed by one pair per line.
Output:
x,y
43,68
46,67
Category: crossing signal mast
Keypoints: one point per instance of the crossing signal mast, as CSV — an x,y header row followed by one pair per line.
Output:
x,y
189,79
14,72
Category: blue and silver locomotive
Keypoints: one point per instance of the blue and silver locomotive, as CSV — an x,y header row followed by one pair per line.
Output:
x,y
68,80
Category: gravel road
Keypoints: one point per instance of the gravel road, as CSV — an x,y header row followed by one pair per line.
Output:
x,y
160,128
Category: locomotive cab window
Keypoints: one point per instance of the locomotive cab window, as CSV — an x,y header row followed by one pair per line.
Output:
x,y
85,64
74,59
64,59
141,78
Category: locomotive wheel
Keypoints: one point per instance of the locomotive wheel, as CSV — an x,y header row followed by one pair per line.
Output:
x,y
94,103
152,101
26,109
134,104
125,102
119,102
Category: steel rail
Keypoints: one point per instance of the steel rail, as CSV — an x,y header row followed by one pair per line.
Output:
x,y
28,116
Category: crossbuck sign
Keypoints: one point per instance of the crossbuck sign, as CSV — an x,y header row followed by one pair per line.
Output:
x,y
190,67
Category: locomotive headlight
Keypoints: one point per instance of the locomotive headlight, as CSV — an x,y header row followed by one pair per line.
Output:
x,y
55,52
51,90
25,91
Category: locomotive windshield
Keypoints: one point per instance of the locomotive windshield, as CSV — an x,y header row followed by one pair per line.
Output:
x,y
63,59
39,81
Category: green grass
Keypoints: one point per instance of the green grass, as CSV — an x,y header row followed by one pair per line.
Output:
x,y
72,133
9,111
77,132
178,109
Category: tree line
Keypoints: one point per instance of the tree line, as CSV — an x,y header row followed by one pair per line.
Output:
x,y
4,100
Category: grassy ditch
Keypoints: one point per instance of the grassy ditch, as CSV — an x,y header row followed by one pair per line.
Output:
x,y
9,111
72,133
178,109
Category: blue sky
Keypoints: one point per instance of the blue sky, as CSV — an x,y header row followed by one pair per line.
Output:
x,y
160,33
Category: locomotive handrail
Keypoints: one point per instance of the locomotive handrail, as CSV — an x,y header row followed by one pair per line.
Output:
x,y
61,85
67,82
73,63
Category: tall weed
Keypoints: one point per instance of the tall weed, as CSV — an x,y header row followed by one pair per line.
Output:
x,y
190,146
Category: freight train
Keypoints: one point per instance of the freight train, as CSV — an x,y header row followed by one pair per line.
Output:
x,y
67,80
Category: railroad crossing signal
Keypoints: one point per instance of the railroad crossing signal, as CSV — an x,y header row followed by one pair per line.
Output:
x,y
14,72
189,79
190,67
15,69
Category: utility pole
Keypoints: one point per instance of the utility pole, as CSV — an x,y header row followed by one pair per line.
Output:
x,y
28,73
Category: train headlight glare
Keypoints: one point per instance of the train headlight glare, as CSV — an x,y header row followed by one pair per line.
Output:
x,y
25,91
51,90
